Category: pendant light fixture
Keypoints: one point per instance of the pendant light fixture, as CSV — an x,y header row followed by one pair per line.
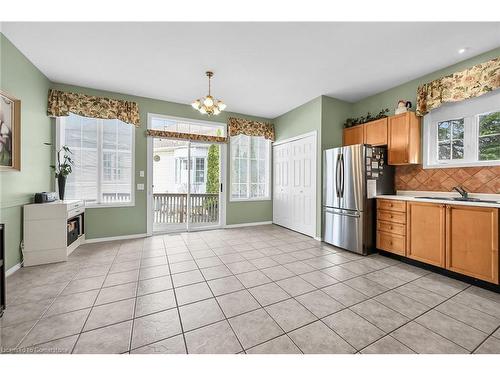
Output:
x,y
208,105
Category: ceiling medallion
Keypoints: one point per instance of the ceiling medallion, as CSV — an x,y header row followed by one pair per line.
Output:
x,y
208,105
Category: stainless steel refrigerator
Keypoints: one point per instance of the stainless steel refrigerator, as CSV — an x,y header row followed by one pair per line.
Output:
x,y
352,177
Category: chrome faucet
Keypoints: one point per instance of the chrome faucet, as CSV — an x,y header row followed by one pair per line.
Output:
x,y
461,191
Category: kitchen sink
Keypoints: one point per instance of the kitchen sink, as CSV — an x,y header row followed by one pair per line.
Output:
x,y
458,199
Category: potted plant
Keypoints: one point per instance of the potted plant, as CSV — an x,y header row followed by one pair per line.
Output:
x,y
64,166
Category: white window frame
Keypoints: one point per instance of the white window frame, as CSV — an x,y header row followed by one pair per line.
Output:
x,y
268,197
469,110
60,136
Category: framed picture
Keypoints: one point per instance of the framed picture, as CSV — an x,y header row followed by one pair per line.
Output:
x,y
10,133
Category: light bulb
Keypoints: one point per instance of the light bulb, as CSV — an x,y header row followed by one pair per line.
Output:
x,y
208,101
195,104
221,105
216,111
203,109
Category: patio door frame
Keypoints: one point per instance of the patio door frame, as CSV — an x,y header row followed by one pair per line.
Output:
x,y
149,183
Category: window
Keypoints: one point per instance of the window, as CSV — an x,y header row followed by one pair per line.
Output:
x,y
463,134
197,170
451,139
103,155
250,168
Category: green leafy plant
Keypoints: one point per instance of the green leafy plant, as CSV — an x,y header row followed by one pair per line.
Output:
x,y
64,164
363,119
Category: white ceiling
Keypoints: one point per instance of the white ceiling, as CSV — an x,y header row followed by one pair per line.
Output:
x,y
264,69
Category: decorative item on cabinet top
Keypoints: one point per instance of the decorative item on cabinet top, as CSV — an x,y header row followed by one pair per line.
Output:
x,y
402,107
350,122
474,179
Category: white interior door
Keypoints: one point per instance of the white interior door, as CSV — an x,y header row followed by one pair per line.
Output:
x,y
281,184
294,195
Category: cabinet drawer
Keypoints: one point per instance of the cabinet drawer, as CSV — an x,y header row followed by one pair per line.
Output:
x,y
392,243
76,211
391,205
394,228
392,216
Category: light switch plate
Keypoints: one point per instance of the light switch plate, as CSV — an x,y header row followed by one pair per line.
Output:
x,y
140,186
141,173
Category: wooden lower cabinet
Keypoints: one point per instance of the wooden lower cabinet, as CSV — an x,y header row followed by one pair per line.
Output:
x,y
391,227
425,233
462,239
472,241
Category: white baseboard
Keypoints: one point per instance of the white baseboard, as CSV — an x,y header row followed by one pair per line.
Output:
x,y
126,237
13,269
248,224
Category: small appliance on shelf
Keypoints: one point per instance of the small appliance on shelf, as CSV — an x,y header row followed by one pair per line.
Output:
x,y
45,197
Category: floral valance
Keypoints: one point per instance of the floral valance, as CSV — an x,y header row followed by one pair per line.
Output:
x,y
469,83
62,103
251,128
185,136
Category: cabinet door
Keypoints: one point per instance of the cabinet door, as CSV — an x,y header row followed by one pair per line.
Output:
x,y
399,137
376,132
426,232
354,135
472,241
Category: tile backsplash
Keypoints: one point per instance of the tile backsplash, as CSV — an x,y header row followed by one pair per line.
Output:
x,y
473,179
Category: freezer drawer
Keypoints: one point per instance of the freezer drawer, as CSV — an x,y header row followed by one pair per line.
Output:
x,y
344,229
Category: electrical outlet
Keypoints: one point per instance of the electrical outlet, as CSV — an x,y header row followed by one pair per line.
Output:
x,y
140,186
141,173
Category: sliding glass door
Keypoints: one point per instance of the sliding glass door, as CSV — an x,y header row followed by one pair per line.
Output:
x,y
187,189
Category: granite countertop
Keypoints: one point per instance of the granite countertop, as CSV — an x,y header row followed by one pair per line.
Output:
x,y
412,196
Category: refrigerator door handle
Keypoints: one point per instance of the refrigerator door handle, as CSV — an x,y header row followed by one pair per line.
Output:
x,y
337,174
342,176
341,212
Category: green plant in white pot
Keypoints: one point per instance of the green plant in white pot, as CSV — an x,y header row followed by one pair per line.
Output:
x,y
63,168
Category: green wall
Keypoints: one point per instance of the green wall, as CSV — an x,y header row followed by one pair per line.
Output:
x,y
408,90
21,79
333,115
119,221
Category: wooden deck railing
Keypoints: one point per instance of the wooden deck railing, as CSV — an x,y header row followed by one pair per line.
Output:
x,y
171,208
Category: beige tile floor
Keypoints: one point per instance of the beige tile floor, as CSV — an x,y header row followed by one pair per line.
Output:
x,y
253,290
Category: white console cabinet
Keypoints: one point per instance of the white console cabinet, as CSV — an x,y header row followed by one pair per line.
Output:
x,y
46,228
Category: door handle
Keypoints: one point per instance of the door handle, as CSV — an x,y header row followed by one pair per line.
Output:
x,y
337,175
341,213
342,176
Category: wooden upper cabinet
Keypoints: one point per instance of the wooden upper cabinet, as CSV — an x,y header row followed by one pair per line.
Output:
x,y
354,135
426,232
472,241
404,139
376,132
